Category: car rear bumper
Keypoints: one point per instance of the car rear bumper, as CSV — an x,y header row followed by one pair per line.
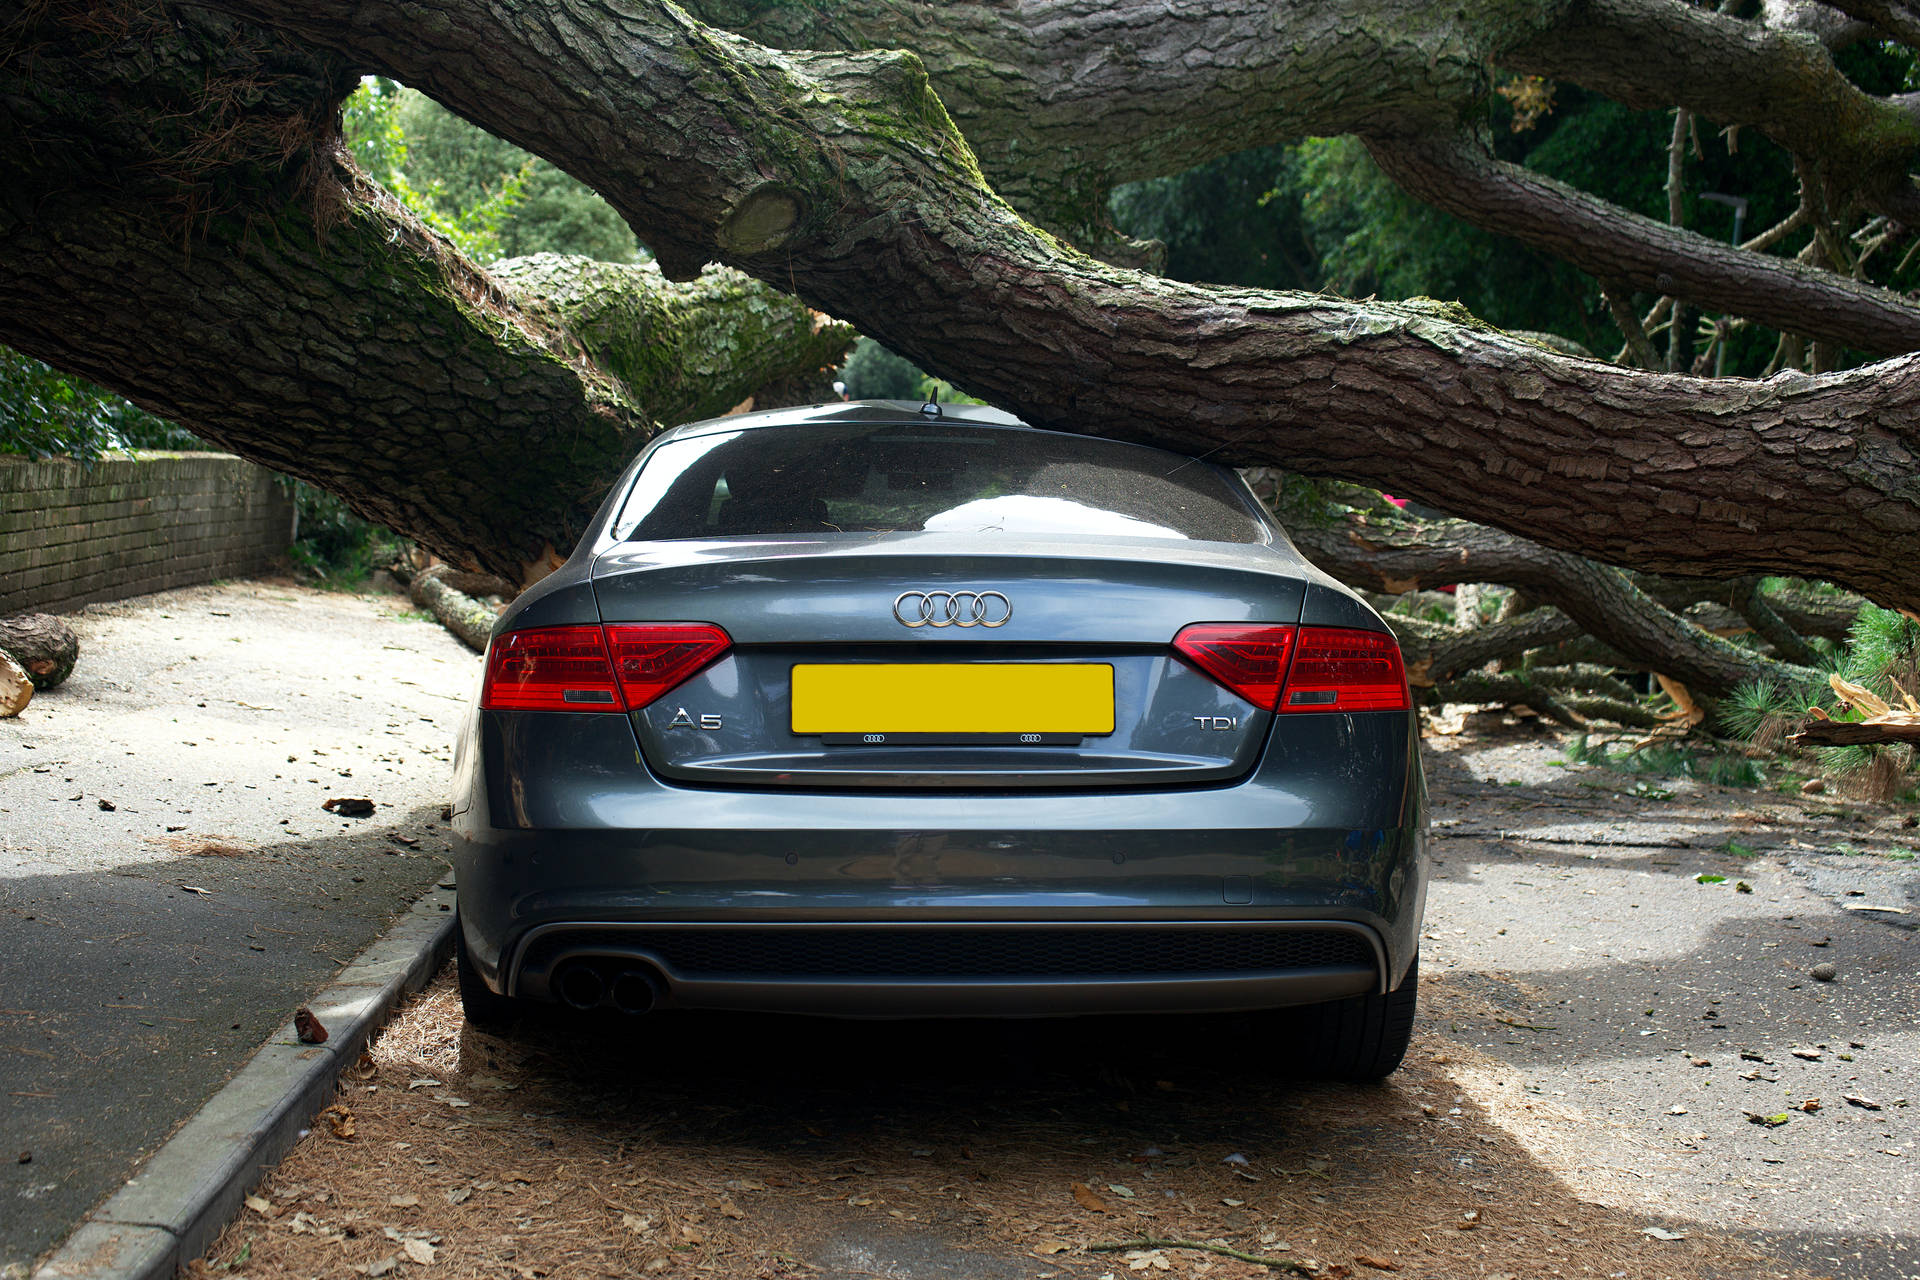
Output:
x,y
947,968
596,860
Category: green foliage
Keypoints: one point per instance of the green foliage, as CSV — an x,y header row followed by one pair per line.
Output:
x,y
1761,711
1235,220
1883,654
336,548
874,373
45,413
1669,760
375,124
490,198
942,392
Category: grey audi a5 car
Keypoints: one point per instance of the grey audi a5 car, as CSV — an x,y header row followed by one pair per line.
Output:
x,y
877,709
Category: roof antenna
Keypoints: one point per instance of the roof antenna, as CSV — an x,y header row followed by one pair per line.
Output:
x,y
931,408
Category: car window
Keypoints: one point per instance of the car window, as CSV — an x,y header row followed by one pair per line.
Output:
x,y
888,478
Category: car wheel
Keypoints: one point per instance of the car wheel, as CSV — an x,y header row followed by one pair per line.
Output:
x,y
1358,1039
482,1005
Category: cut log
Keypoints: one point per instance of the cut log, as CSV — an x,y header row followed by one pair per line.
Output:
x,y
457,611
43,644
1874,731
16,689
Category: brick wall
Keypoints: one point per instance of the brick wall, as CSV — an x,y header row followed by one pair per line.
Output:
x,y
70,535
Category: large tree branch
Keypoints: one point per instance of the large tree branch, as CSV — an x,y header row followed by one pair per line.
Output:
x,y
1458,175
1658,53
229,268
1899,19
1064,99
841,178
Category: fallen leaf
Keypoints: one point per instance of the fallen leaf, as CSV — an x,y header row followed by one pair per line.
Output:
x,y
1123,1192
419,1251
636,1224
383,1267
1772,1122
196,889
1661,1233
1807,1105
1378,1264
260,1205
424,1082
728,1209
1084,1196
403,1202
1811,1055
339,1122
1049,1247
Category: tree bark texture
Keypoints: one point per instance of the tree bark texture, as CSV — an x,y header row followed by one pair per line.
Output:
x,y
1611,243
179,223
41,643
840,177
1063,99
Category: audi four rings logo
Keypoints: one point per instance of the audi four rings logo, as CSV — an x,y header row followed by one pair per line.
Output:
x,y
952,609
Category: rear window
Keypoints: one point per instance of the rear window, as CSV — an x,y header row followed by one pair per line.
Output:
x,y
887,478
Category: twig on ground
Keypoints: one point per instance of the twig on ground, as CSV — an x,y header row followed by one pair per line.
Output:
x,y
1225,1251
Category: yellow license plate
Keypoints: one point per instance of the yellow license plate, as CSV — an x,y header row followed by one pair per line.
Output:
x,y
953,698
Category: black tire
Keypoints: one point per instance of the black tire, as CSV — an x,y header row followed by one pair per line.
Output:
x,y
483,1006
1363,1038
1358,1039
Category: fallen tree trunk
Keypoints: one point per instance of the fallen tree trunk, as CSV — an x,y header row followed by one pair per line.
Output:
x,y
180,222
1603,602
1873,731
457,611
43,645
16,687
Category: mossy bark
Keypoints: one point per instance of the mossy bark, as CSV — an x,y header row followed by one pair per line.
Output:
x,y
179,223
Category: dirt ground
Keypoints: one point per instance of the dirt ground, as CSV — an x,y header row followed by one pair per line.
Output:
x,y
1512,1144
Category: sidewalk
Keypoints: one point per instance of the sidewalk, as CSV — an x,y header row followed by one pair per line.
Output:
x,y
170,887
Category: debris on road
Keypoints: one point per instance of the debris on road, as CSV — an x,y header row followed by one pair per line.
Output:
x,y
349,807
308,1027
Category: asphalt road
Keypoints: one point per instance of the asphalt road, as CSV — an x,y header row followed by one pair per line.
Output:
x,y
170,887
1651,1014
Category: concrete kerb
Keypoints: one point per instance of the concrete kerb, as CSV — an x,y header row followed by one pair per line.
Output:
x,y
171,1210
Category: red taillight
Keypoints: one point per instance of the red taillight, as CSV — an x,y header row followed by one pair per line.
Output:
x,y
1344,669
1300,668
574,668
652,658
1250,660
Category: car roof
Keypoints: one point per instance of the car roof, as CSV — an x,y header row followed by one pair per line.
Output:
x,y
902,412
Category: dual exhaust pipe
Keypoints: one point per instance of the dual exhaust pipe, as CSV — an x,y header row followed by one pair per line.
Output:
x,y
589,984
